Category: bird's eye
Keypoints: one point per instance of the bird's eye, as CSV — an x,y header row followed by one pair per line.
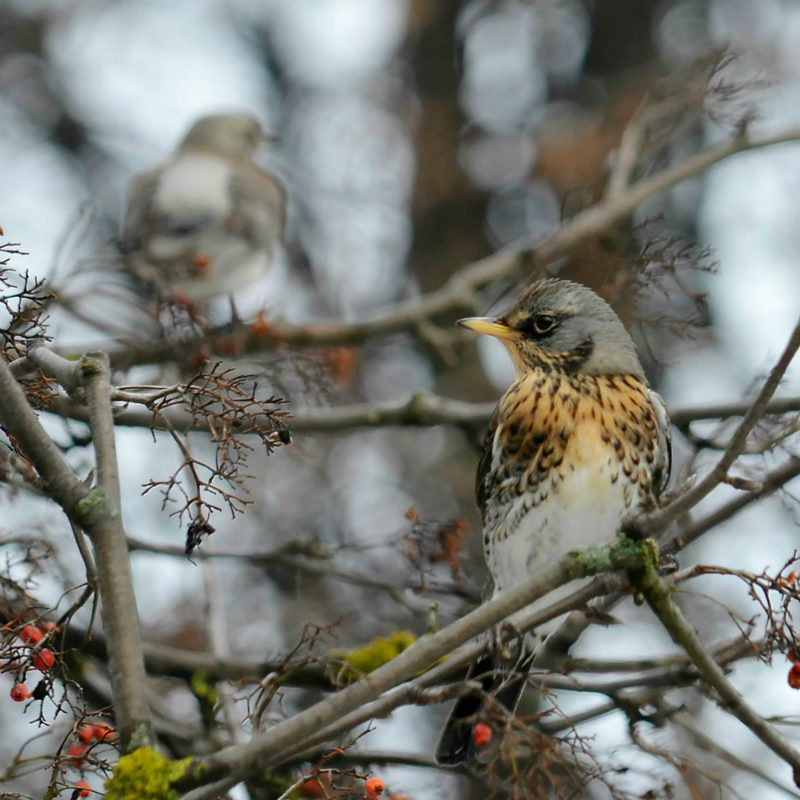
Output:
x,y
544,323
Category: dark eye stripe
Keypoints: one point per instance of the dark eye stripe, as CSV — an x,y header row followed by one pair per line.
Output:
x,y
538,326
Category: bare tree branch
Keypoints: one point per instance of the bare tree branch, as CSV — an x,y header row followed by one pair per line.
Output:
x,y
424,409
460,293
114,578
237,761
97,513
659,520
658,596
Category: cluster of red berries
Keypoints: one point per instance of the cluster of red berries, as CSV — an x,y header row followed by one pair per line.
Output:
x,y
86,734
43,660
32,635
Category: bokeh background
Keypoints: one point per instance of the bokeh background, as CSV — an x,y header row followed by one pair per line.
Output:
x,y
416,136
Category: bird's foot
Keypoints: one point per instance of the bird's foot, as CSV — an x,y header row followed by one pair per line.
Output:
x,y
501,636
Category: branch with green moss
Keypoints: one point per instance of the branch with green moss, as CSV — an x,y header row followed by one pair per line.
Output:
x,y
658,595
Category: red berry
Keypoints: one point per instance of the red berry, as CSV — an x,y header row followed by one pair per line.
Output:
x,y
50,626
43,660
77,752
20,693
794,676
374,787
312,788
84,787
85,733
481,734
30,634
102,731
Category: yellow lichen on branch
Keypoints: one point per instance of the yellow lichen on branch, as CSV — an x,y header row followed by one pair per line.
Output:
x,y
145,775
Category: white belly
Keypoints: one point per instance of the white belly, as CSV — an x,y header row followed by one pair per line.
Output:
x,y
587,508
195,184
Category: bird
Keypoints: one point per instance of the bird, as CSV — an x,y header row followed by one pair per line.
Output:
x,y
209,221
577,446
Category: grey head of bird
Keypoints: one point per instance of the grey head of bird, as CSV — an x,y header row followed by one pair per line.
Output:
x,y
231,135
565,326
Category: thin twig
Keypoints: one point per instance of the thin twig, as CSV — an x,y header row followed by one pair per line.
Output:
x,y
659,520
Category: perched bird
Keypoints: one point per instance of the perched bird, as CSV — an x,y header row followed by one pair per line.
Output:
x,y
576,446
209,221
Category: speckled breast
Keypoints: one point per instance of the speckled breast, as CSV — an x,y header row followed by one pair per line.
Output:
x,y
571,458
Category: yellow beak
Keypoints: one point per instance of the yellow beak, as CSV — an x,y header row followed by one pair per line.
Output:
x,y
488,326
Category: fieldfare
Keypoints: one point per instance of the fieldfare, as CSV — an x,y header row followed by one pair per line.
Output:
x,y
209,221
578,445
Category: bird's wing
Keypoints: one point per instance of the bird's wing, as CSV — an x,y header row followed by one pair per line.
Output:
x,y
664,444
138,221
485,475
259,205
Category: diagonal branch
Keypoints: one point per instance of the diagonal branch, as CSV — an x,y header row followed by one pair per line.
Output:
x,y
460,293
659,520
658,596
238,761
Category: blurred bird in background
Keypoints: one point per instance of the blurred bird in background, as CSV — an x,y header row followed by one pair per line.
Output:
x,y
210,221
577,445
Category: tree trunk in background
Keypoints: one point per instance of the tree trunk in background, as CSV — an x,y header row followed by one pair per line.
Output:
x,y
448,210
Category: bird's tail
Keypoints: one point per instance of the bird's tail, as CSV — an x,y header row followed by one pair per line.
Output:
x,y
502,682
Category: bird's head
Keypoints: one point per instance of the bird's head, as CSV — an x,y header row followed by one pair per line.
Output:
x,y
231,135
557,324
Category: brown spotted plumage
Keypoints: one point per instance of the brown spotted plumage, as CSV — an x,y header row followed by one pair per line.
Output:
x,y
577,445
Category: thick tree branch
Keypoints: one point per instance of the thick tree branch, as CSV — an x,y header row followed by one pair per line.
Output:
x,y
114,578
238,761
97,512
